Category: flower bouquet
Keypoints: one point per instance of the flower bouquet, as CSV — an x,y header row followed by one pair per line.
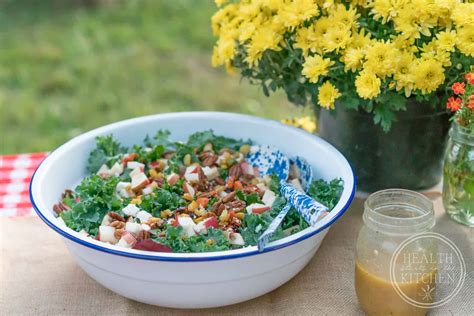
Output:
x,y
374,58
458,187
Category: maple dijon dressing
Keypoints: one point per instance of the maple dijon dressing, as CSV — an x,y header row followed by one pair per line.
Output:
x,y
378,297
390,217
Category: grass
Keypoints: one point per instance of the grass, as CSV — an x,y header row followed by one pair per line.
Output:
x,y
67,68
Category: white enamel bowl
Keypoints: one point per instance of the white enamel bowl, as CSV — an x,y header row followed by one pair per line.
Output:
x,y
195,280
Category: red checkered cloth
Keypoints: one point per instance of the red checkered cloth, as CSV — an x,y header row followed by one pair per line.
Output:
x,y
15,176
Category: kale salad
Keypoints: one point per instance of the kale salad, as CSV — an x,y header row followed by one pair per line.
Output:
x,y
196,196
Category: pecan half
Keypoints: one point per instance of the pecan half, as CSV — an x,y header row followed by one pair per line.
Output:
x,y
235,171
235,205
219,181
116,216
57,209
215,207
208,159
229,197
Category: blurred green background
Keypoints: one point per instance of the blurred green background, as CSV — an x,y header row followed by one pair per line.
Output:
x,y
67,66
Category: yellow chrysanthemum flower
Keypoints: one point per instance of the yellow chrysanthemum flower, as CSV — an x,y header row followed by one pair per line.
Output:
x,y
360,39
321,27
316,66
307,123
428,74
465,40
296,12
446,40
381,59
223,52
337,37
382,9
403,76
463,14
327,94
367,85
352,59
264,38
347,17
306,40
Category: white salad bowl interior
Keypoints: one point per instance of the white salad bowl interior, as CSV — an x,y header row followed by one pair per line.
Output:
x,y
191,280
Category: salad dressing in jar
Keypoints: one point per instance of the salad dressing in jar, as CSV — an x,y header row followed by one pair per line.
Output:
x,y
390,217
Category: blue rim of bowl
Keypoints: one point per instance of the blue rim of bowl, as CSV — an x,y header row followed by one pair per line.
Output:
x,y
183,258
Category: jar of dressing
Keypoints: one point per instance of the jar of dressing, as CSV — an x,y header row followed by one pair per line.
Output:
x,y
390,217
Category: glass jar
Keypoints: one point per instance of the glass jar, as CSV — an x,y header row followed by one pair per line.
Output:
x,y
458,182
390,217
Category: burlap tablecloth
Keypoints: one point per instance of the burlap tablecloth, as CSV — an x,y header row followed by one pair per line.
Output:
x,y
39,277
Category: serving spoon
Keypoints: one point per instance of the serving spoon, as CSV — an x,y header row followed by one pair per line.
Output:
x,y
272,161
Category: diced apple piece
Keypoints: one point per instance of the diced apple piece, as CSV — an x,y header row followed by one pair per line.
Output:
x,y
268,198
134,228
131,210
191,169
143,216
127,240
135,165
107,220
187,188
297,184
257,208
116,169
107,234
247,169
236,239
103,170
149,188
139,182
150,245
172,179
210,173
83,232
188,225
201,227
135,172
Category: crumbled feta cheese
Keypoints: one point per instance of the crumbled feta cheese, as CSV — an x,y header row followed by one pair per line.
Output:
x,y
210,173
191,177
143,216
145,227
124,189
131,210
